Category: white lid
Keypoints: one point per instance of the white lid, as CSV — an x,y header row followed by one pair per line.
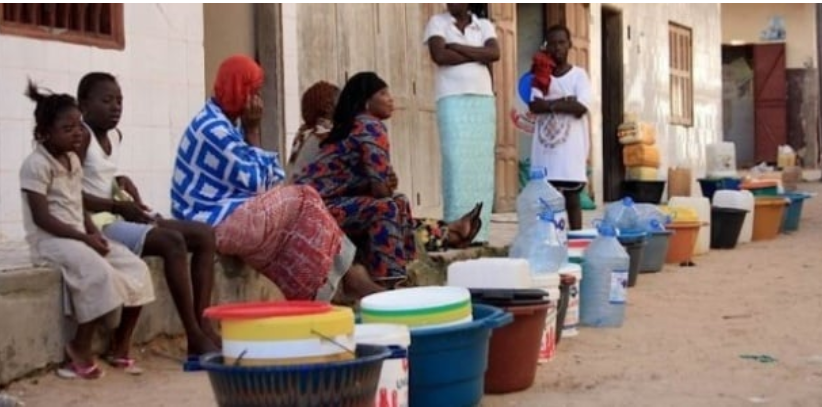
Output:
x,y
547,281
572,269
382,334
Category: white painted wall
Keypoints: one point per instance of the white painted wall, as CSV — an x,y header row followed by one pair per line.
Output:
x,y
160,71
647,85
291,77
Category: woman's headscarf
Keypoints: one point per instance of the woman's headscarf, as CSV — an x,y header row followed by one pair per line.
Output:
x,y
352,102
317,106
238,78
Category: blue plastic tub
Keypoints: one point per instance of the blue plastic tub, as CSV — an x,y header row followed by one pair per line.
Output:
x,y
447,365
710,186
793,213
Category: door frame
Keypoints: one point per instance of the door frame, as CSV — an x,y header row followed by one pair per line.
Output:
x,y
613,102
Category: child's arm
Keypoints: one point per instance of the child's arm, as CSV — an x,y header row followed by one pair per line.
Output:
x,y
567,105
44,220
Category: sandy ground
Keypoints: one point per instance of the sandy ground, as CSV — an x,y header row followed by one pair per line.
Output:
x,y
681,343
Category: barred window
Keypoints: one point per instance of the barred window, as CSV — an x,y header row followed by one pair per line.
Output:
x,y
681,74
95,24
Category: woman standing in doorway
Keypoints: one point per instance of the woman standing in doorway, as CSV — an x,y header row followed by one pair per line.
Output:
x,y
464,46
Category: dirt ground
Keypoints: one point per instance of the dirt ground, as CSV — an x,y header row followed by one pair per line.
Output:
x,y
685,331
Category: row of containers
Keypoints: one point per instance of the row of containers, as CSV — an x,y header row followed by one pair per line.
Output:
x,y
486,332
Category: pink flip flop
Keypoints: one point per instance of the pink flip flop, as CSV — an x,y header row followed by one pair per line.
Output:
x,y
127,365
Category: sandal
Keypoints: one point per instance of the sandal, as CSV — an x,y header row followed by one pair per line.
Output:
x,y
71,371
127,365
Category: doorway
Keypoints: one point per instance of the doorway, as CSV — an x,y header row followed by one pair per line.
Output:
x,y
612,104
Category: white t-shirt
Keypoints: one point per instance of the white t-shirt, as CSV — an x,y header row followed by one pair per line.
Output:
x,y
561,141
472,78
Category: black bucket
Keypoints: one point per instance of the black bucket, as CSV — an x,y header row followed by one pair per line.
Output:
x,y
634,245
726,224
644,191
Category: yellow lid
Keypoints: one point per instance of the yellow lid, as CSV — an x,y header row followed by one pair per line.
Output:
x,y
680,214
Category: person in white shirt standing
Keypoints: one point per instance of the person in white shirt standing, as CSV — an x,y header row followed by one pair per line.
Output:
x,y
463,46
561,135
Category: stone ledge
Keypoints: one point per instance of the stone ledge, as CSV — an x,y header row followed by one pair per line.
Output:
x,y
33,330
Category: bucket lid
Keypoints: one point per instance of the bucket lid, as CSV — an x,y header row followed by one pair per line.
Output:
x,y
382,334
509,298
546,280
572,269
254,310
717,209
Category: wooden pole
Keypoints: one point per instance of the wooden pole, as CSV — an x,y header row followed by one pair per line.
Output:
x,y
268,38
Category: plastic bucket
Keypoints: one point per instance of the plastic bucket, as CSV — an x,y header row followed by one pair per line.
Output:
x,y
793,214
644,191
393,385
653,256
711,185
634,245
726,225
512,357
768,218
550,284
682,242
448,364
570,321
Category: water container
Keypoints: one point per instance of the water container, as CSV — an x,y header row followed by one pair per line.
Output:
x,y
652,218
702,206
623,215
721,159
604,285
534,198
743,200
540,245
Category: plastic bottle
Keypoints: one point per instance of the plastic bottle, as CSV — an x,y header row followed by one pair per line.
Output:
x,y
535,197
651,218
604,285
539,244
623,215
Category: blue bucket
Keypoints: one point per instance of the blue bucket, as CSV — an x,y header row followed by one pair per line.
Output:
x,y
793,213
447,365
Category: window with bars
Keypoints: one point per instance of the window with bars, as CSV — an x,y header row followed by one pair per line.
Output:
x,y
96,24
681,62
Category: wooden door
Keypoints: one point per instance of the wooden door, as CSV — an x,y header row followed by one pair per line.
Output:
x,y
427,158
357,39
506,166
770,100
612,104
318,44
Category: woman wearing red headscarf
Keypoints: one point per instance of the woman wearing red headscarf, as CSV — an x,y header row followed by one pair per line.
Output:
x,y
224,178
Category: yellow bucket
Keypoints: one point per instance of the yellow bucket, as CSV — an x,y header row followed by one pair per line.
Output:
x,y
285,333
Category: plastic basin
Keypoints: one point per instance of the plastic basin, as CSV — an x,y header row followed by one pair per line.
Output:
x,y
653,255
449,364
709,186
644,191
768,218
683,242
793,213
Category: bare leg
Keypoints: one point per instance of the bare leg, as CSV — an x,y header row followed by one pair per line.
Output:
x,y
573,204
79,349
121,342
170,245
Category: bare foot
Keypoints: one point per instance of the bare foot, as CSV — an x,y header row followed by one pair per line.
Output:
x,y
208,329
201,345
358,283
463,231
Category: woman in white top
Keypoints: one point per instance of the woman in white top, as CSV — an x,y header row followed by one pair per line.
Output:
x,y
464,46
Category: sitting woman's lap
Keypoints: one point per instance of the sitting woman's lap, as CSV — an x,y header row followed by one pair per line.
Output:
x,y
286,234
383,229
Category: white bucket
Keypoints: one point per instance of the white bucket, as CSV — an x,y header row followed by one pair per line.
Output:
x,y
569,327
550,284
392,389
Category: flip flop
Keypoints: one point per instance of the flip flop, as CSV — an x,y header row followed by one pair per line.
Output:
x,y
71,371
127,365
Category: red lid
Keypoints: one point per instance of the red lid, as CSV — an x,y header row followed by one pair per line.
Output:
x,y
252,310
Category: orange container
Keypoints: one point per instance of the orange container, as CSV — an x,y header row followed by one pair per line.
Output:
x,y
682,242
768,214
